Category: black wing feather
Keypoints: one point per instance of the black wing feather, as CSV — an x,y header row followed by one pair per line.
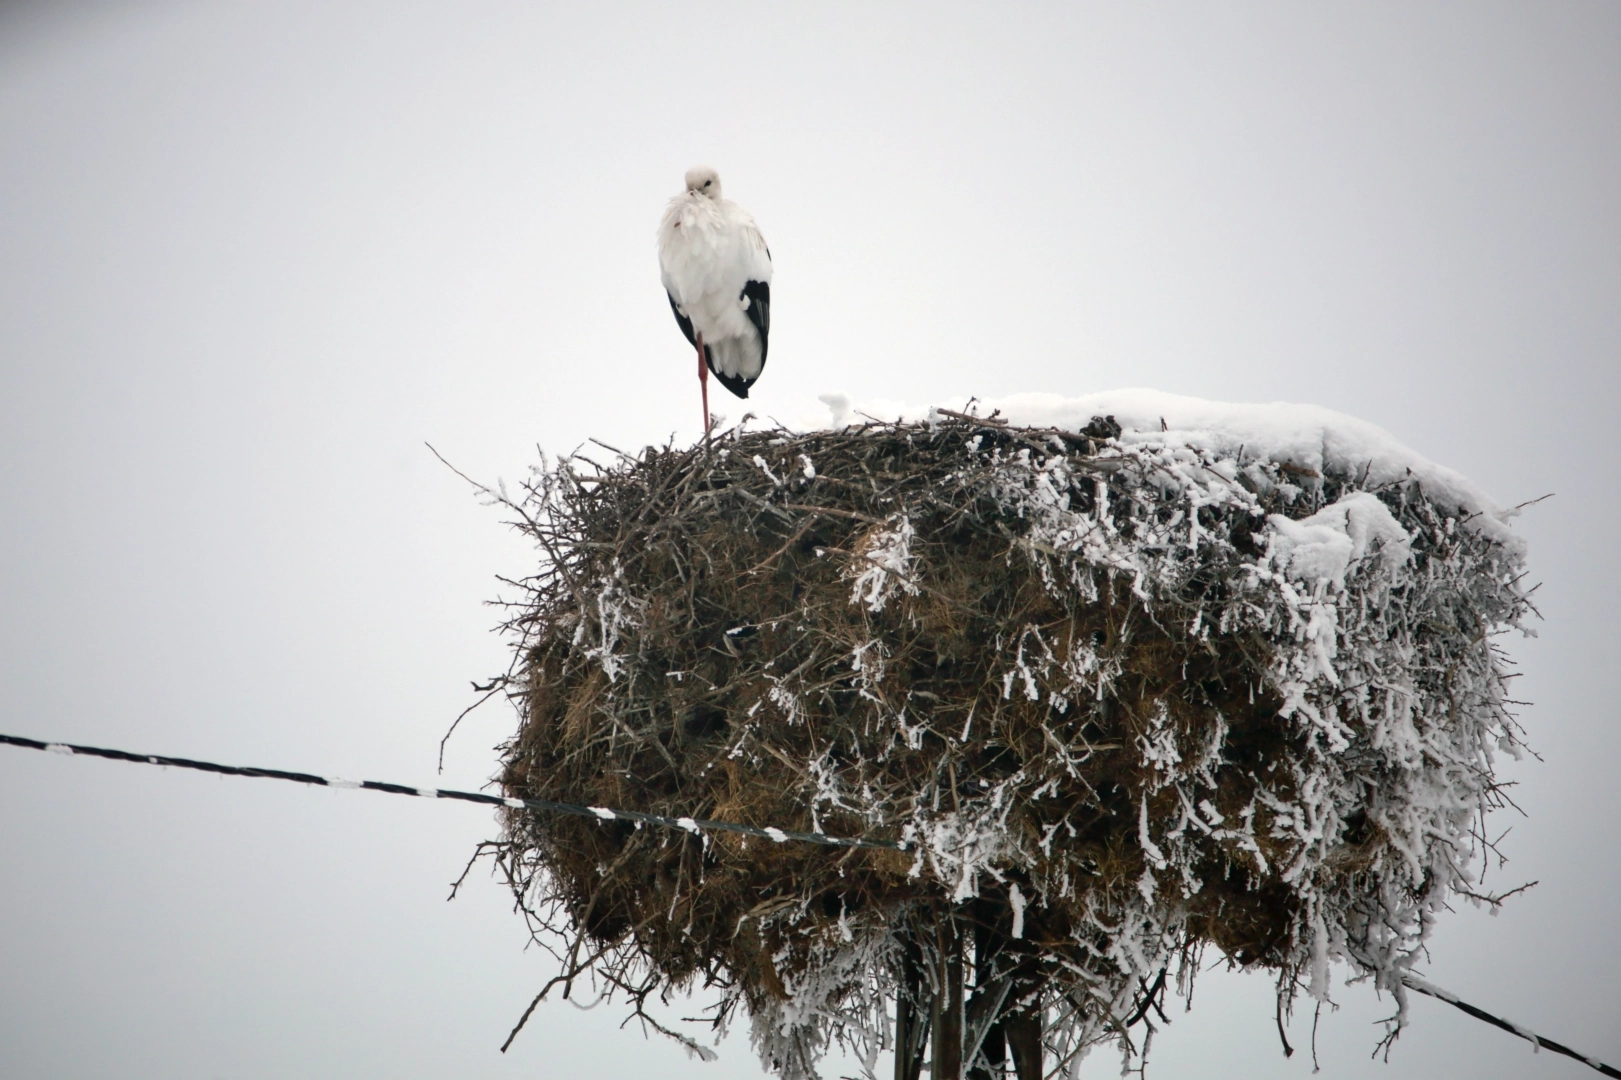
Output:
x,y
759,313
739,387
682,321
686,328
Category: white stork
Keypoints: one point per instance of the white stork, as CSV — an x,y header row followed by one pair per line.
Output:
x,y
717,273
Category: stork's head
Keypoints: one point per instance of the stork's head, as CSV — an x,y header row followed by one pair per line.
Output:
x,y
702,180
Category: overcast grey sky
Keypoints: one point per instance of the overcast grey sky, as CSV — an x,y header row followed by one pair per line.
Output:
x,y
253,255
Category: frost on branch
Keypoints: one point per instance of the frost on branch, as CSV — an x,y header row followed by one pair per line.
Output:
x,y
1124,699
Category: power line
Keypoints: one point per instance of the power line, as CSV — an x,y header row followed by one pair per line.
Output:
x,y
1413,982
693,826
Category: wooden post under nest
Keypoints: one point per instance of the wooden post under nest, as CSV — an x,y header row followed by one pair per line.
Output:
x,y
966,1036
911,1014
948,1005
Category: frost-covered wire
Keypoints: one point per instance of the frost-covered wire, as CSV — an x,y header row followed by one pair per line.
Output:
x,y
598,813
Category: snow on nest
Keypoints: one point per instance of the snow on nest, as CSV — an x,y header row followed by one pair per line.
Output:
x,y
1305,436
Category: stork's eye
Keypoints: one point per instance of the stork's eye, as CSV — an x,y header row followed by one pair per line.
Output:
x,y
708,182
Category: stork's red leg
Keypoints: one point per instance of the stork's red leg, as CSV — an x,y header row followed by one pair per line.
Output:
x,y
703,382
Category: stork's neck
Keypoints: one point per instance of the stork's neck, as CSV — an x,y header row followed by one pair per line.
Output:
x,y
692,218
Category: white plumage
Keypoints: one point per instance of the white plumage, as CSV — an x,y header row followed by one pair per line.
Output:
x,y
716,269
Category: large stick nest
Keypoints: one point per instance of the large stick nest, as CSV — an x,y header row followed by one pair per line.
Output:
x,y
1141,699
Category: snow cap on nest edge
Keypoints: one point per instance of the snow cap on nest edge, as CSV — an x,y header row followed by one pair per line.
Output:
x,y
1308,437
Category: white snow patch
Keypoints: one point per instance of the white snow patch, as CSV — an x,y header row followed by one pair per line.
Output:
x,y
1322,547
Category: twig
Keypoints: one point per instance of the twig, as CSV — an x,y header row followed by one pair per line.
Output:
x,y
497,684
972,419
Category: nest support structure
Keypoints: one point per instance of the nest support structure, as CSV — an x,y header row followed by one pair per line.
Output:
x,y
1110,702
